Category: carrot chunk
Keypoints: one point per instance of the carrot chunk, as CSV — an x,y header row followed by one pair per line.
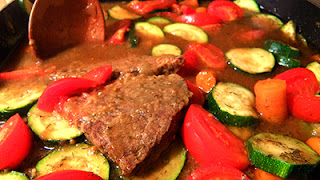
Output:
x,y
271,99
263,175
314,143
205,80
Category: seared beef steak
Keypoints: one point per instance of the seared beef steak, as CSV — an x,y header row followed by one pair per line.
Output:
x,y
148,65
133,119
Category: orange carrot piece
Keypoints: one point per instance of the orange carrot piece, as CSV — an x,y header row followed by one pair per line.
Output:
x,y
314,143
191,3
206,80
263,175
271,99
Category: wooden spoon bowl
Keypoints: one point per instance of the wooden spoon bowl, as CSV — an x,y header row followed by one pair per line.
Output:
x,y
55,25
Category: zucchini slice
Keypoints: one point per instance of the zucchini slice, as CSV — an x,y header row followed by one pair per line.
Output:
x,y
287,62
281,49
119,13
13,175
168,166
251,60
266,21
289,29
51,126
233,104
187,32
160,21
162,49
281,155
249,7
149,29
18,99
78,157
315,68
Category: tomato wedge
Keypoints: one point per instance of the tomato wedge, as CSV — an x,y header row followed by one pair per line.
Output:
x,y
63,88
199,19
197,95
217,171
225,10
122,27
15,142
211,55
143,7
300,80
100,75
70,175
209,141
304,107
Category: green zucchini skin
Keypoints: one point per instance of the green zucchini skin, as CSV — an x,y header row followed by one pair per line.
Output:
x,y
17,105
287,62
281,49
79,157
234,118
281,155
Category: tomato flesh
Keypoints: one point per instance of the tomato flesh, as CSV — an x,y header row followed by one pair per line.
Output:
x,y
300,80
70,175
211,55
209,141
304,107
225,10
15,142
199,19
218,172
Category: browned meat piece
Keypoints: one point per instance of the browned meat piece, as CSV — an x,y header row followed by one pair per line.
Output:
x,y
134,119
148,65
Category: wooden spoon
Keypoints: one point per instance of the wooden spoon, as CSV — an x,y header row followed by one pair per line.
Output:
x,y
59,24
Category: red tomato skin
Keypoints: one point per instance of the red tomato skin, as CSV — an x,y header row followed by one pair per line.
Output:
x,y
70,175
225,10
143,7
197,97
122,27
199,19
211,55
217,171
100,75
300,80
61,88
304,107
15,142
209,141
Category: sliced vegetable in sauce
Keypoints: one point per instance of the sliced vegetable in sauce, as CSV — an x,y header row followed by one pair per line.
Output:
x,y
149,29
13,175
70,175
251,60
162,49
233,104
249,7
281,155
50,126
120,13
187,31
68,157
225,10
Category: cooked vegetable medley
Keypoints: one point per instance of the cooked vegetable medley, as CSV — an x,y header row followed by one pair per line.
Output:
x,y
178,90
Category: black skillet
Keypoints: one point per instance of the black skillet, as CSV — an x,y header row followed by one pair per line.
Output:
x,y
14,25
